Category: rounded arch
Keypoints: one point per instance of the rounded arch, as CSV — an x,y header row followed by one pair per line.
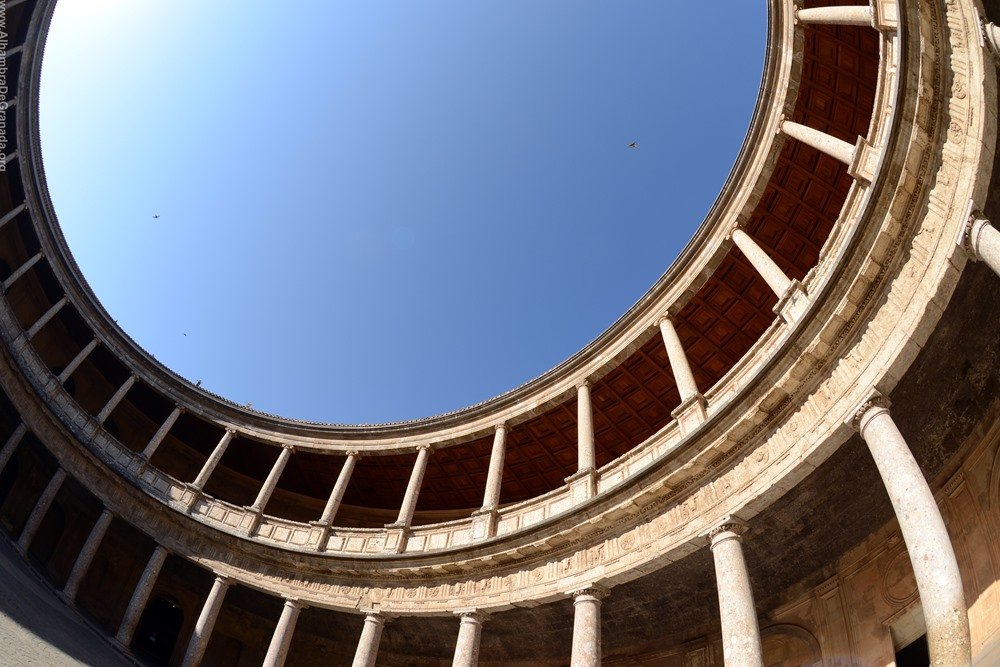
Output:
x,y
787,644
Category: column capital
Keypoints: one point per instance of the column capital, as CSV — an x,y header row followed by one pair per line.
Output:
x,y
290,448
738,225
990,34
230,430
592,591
424,447
502,426
180,408
582,383
730,527
867,409
353,452
377,616
970,231
474,615
224,579
295,603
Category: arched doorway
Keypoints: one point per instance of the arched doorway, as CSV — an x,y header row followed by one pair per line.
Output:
x,y
158,630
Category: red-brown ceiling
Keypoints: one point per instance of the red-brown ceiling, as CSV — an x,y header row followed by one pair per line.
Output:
x,y
791,222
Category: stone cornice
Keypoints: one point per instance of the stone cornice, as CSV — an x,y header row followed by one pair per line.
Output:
x,y
682,279
890,267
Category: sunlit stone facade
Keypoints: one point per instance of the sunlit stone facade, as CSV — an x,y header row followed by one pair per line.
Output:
x,y
786,453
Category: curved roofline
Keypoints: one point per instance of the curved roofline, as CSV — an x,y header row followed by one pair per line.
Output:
x,y
186,392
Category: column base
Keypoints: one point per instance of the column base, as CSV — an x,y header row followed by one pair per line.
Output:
x,y
138,465
318,534
396,536
582,485
862,166
793,303
256,514
690,413
885,15
484,523
194,494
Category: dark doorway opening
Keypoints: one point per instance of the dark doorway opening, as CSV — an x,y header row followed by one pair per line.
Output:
x,y
915,654
158,631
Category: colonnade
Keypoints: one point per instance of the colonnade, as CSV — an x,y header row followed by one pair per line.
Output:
x,y
931,554
983,242
924,533
980,238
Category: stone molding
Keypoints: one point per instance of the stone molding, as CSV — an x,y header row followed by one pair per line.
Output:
x,y
589,592
739,195
730,528
781,422
875,400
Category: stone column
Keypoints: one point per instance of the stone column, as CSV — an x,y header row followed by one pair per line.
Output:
x,y
14,212
339,489
587,627
683,376
413,488
140,596
371,633
77,360
860,15
585,428
692,411
491,496
281,640
740,633
484,520
86,556
44,319
161,433
41,507
792,298
272,480
21,270
982,240
470,629
764,265
821,141
935,567
10,446
206,622
213,460
113,402
583,483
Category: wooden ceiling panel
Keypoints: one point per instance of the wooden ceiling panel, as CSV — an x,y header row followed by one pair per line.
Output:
x,y
717,326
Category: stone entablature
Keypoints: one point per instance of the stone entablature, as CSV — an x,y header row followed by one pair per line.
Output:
x,y
684,277
721,402
776,415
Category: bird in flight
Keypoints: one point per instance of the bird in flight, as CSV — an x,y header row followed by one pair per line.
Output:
x,y
156,216
633,145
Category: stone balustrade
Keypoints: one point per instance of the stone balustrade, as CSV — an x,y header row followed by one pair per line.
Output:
x,y
681,477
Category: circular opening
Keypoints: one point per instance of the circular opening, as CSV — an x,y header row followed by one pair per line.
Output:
x,y
356,213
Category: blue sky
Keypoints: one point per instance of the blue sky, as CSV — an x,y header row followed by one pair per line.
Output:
x,y
383,210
